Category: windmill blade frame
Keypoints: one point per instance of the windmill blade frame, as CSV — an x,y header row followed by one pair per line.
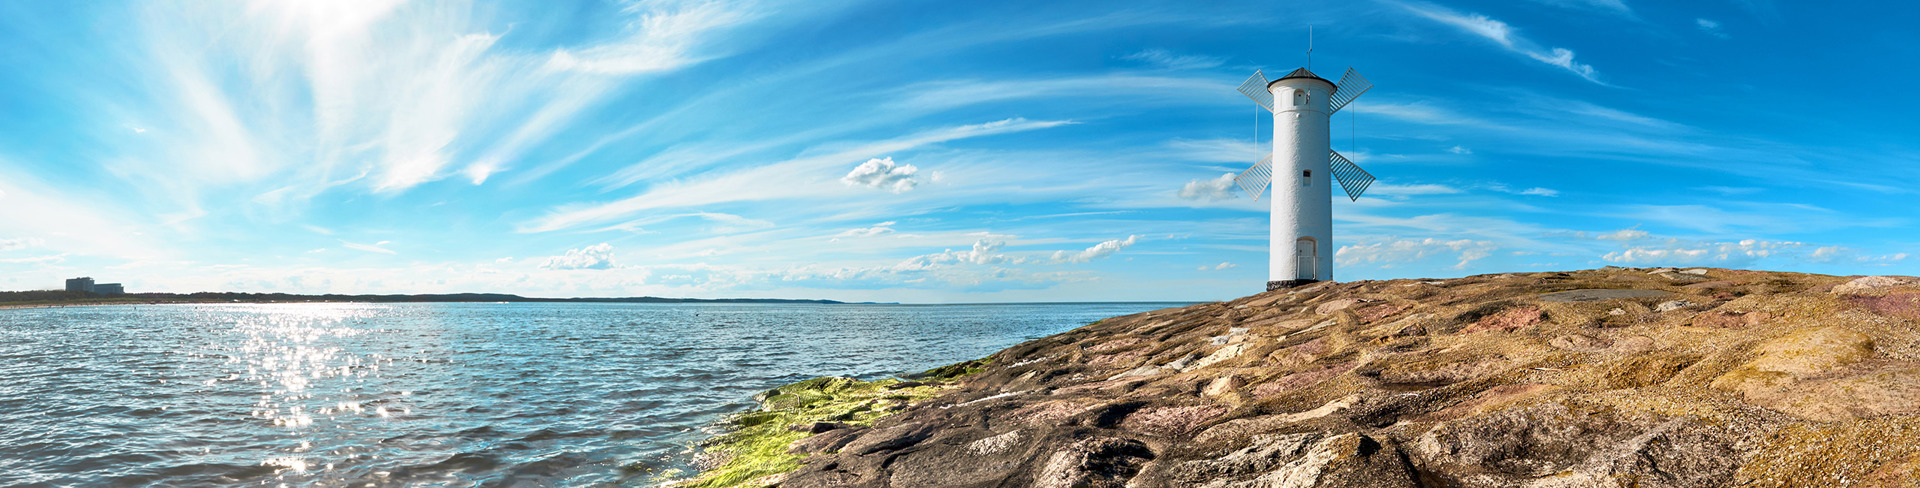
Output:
x,y
1256,88
1352,179
1351,86
1256,178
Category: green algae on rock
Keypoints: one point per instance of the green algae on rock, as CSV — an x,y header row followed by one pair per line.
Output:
x,y
1614,377
762,444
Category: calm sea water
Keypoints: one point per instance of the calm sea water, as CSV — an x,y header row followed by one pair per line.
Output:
x,y
437,394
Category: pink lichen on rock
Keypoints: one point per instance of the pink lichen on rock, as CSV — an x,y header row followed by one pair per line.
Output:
x,y
1301,379
1508,321
1172,420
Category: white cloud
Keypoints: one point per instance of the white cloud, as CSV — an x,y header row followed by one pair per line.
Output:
x,y
1167,60
1616,6
1420,189
373,248
663,37
1538,191
1209,190
36,259
1460,150
882,174
1221,266
1504,35
1623,235
1676,251
1237,151
1827,253
983,252
1098,251
1408,250
1712,28
1563,58
19,243
877,229
597,256
1133,89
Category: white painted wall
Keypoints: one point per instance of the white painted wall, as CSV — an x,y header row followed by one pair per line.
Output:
x,y
1301,143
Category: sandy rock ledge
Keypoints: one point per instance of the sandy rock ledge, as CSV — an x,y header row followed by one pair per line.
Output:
x,y
1614,377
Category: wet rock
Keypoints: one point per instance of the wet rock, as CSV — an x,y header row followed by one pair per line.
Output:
x,y
994,445
1171,420
1102,462
816,427
1584,446
952,460
889,439
1299,461
828,441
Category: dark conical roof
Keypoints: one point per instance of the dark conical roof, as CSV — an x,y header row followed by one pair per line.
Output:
x,y
1302,73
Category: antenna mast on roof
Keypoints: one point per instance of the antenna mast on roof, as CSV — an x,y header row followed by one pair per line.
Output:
x,y
1309,47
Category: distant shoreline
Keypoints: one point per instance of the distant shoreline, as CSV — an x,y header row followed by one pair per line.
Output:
x,y
42,299
90,302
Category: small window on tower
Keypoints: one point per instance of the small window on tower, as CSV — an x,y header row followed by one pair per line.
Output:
x,y
1306,178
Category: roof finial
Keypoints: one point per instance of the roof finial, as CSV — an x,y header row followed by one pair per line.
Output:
x,y
1309,47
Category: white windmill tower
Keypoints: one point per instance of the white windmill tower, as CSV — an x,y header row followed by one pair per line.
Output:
x,y
1301,249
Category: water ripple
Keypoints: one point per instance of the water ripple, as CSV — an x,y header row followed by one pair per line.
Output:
x,y
435,394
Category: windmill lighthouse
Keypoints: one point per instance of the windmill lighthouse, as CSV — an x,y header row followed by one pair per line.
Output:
x,y
1301,249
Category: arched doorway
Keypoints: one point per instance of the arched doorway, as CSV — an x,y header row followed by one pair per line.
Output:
x,y
1306,259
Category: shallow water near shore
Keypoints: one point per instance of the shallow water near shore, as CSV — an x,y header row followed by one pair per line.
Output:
x,y
354,394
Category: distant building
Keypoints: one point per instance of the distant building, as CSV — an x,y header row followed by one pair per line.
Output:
x,y
86,284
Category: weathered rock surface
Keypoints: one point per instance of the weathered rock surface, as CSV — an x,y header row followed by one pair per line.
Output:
x,y
1614,377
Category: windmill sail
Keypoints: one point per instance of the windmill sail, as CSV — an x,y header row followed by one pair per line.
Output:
x,y
1256,88
1350,87
1352,179
1255,179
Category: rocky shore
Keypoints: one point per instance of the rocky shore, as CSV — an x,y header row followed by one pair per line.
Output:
x,y
1615,377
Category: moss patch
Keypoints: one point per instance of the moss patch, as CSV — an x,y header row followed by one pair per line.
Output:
x,y
756,450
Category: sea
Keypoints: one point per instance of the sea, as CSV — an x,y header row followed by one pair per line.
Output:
x,y
440,394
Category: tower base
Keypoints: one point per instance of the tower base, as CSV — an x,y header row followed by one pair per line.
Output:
x,y
1284,284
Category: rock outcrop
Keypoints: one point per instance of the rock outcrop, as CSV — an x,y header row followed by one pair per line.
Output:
x,y
1600,378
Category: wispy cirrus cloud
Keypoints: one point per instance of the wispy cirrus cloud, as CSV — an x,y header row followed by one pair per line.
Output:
x,y
794,178
1712,28
1165,59
372,248
1507,37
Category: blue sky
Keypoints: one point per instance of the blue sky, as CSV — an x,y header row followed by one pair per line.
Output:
x,y
931,151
